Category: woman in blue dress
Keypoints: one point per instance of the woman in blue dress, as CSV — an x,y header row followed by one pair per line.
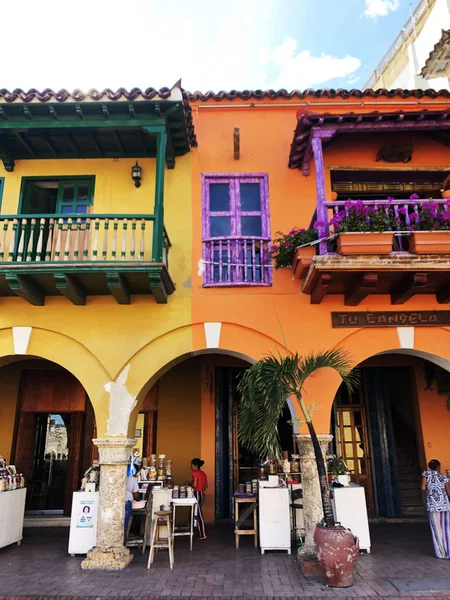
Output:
x,y
437,487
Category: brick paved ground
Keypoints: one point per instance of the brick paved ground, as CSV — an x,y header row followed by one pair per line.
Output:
x,y
401,565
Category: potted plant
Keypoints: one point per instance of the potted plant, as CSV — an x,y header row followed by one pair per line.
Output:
x,y
431,229
264,388
338,469
293,249
364,229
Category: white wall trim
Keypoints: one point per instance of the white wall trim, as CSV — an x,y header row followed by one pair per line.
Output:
x,y
406,337
212,334
21,339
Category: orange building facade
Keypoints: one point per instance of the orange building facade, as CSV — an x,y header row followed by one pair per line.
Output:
x,y
387,434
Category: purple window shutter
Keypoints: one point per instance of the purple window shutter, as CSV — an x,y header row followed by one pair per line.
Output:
x,y
236,259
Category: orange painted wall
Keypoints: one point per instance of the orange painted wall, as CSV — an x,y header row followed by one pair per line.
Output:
x,y
435,420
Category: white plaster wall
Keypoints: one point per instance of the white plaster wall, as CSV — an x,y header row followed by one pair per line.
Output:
x,y
418,51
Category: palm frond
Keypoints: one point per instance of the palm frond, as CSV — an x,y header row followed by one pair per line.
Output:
x,y
336,359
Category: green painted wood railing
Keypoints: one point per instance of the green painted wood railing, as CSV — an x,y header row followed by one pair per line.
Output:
x,y
80,238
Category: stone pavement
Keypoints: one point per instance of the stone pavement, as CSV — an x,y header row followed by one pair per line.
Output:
x,y
401,566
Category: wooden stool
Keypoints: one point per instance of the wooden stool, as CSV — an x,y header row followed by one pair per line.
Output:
x,y
239,519
161,519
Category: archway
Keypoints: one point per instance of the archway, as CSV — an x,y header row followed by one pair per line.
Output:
x,y
389,429
46,429
190,409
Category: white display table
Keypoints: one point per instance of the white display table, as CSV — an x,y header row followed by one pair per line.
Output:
x,y
83,522
349,507
12,510
274,519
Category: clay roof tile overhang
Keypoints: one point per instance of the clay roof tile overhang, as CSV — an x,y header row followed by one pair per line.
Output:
x,y
96,124
327,126
438,61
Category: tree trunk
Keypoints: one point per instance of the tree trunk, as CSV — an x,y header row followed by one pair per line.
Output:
x,y
324,489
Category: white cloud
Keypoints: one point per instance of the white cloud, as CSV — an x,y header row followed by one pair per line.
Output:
x,y
302,70
353,80
380,8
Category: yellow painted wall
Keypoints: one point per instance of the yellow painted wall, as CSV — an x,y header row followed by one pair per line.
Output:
x,y
9,388
179,417
106,334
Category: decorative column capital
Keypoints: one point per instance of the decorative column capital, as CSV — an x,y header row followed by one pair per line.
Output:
x,y
114,451
305,444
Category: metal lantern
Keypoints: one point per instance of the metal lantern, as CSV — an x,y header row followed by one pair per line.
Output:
x,y
136,174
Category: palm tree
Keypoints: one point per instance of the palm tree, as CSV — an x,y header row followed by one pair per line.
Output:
x,y
264,389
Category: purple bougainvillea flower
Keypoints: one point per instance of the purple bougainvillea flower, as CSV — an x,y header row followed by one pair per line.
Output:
x,y
414,197
319,224
274,248
390,198
414,216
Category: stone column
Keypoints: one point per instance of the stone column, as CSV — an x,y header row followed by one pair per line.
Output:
x,y
110,553
312,501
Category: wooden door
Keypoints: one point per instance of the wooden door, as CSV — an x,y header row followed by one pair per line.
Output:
x,y
353,447
73,463
24,453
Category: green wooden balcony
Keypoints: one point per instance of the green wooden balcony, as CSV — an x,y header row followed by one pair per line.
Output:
x,y
84,255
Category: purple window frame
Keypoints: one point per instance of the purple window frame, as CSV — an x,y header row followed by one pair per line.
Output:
x,y
235,213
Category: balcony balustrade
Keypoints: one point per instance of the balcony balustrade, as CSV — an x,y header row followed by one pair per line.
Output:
x,y
81,255
401,273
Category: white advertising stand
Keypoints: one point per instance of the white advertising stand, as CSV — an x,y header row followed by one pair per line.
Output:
x,y
12,510
274,519
83,522
349,507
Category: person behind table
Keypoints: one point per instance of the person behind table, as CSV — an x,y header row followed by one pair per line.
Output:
x,y
200,484
132,493
437,487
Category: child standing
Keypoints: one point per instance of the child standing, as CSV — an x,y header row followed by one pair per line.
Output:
x,y
200,485
438,506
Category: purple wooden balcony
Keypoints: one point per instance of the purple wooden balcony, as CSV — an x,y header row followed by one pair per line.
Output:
x,y
236,261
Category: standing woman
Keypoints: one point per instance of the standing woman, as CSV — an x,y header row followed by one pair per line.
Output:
x,y
437,487
200,485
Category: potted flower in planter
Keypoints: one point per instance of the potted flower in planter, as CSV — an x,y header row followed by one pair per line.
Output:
x,y
431,229
339,471
294,249
364,229
264,388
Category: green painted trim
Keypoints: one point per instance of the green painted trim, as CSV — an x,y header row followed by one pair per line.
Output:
x,y
73,216
76,182
158,229
151,125
2,187
58,178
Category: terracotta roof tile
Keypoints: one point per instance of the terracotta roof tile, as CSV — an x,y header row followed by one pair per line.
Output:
x,y
106,95
325,93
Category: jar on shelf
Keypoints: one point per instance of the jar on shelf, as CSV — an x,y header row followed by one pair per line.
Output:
x,y
168,468
295,465
272,467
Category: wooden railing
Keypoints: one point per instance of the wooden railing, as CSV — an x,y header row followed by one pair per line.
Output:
x,y
236,261
76,238
401,210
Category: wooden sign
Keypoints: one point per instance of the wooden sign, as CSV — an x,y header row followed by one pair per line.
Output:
x,y
411,318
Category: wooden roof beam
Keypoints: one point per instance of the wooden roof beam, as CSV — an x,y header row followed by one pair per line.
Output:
x,y
321,288
366,285
410,285
25,144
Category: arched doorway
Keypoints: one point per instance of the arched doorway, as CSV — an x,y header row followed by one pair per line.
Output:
x,y
47,427
190,410
390,427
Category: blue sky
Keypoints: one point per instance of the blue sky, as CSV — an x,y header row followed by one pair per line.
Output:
x,y
210,44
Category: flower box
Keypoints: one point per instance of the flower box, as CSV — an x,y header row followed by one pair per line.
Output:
x,y
302,260
430,242
368,242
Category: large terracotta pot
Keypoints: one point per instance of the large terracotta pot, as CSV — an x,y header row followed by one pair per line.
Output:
x,y
445,194
365,243
302,260
430,242
337,551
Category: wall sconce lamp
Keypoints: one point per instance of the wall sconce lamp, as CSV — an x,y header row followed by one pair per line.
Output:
x,y
136,174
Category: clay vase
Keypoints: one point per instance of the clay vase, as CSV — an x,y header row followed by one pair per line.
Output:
x,y
337,551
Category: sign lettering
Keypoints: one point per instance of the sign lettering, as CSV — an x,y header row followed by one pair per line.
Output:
x,y
409,318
